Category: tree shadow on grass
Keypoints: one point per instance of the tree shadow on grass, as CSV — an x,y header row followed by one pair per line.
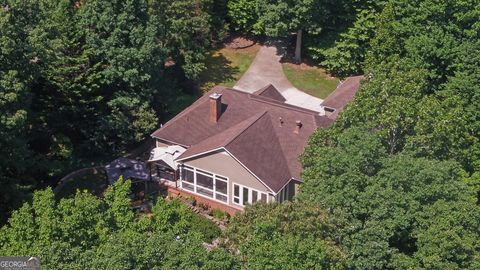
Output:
x,y
218,71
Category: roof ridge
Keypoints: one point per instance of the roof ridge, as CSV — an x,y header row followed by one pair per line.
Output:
x,y
229,140
283,105
247,127
274,102
263,89
277,141
272,121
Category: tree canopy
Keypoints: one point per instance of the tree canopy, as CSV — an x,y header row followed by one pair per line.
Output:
x,y
386,200
394,183
401,162
82,80
86,232
286,236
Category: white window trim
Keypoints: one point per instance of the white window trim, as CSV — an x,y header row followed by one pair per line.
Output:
x,y
214,176
240,193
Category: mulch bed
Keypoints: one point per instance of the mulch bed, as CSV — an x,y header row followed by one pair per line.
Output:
x,y
239,43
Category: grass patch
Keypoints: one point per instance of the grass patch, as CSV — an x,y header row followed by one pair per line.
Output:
x,y
311,80
93,181
225,66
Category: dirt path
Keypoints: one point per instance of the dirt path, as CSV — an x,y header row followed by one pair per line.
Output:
x,y
267,69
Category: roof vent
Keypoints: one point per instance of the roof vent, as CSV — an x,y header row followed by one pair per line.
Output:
x,y
280,120
215,107
298,126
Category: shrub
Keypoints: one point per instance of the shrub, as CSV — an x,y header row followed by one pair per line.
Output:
x,y
218,214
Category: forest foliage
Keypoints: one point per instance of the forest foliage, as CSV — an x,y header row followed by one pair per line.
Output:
x,y
84,80
393,184
398,172
87,232
401,164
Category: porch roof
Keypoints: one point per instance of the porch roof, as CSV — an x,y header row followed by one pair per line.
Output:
x,y
167,155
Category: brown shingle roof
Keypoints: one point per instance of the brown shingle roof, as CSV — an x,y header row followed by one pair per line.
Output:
x,y
250,129
344,93
271,92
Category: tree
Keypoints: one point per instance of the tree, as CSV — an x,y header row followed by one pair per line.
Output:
x,y
286,236
347,56
281,18
87,232
382,197
187,32
82,80
17,71
447,236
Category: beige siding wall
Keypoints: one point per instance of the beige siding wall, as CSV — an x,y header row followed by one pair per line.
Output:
x,y
222,163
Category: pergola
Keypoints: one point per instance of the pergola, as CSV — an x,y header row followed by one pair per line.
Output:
x,y
126,168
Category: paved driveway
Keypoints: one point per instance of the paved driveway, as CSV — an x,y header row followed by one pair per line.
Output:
x,y
267,69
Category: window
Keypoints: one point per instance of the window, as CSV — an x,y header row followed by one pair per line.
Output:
x,y
243,195
284,194
221,186
205,183
236,194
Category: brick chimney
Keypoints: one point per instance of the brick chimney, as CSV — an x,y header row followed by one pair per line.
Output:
x,y
298,126
215,107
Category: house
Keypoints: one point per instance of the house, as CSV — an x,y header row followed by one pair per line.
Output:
x,y
339,98
232,148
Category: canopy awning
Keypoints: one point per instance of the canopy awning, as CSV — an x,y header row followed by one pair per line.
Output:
x,y
128,169
167,155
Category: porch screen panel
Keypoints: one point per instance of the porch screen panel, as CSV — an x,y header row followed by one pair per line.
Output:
x,y
188,175
221,197
205,181
188,179
205,185
221,186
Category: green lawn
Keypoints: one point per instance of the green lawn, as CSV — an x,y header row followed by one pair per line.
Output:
x,y
311,80
225,66
94,181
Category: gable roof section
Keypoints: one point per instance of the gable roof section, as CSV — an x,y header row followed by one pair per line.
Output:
x,y
220,140
259,149
258,131
255,145
344,93
270,91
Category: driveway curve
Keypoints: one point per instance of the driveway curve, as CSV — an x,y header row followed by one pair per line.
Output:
x,y
267,69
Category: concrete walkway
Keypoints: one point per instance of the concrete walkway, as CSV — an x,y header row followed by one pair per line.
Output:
x,y
267,69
